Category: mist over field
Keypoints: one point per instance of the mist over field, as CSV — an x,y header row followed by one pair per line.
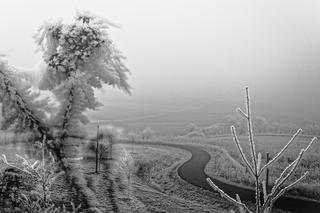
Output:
x,y
189,54
171,119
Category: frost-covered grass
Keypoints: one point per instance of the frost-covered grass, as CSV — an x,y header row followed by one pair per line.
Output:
x,y
157,189
160,189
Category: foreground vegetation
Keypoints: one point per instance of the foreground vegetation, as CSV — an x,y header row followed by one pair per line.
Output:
x,y
153,182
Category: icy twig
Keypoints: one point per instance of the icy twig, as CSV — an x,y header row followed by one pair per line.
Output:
x,y
223,194
281,151
244,158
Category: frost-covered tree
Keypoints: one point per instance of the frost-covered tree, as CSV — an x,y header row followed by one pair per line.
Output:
x,y
257,169
147,133
79,56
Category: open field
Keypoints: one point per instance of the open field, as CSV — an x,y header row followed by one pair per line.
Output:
x,y
171,119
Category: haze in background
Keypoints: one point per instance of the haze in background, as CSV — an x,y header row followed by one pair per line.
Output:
x,y
194,53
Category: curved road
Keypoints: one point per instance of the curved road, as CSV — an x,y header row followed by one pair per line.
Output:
x,y
192,171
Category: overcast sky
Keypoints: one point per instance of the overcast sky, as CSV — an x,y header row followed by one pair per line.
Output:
x,y
200,50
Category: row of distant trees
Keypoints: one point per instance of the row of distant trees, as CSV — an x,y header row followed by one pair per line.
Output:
x,y
146,134
260,125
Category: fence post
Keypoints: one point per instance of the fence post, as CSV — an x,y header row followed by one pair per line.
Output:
x,y
267,174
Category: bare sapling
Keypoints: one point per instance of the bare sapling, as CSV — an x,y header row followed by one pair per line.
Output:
x,y
256,169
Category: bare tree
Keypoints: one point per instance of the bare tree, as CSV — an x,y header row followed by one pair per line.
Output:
x,y
133,136
256,169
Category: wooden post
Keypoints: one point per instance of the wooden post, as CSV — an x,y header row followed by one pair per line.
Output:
x,y
267,174
110,138
97,149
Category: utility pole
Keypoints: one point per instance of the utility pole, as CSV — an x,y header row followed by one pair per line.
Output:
x,y
97,149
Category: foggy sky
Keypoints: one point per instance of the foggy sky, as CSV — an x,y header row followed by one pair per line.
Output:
x,y
200,50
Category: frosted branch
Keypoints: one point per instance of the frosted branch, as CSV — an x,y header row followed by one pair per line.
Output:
x,y
241,208
295,163
282,191
264,190
285,174
5,161
273,197
223,194
16,97
280,152
242,113
236,140
252,145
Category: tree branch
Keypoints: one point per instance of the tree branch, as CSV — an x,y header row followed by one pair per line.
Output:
x,y
280,152
223,194
236,140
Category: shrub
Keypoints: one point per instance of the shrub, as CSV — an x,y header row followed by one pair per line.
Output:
x,y
26,187
13,184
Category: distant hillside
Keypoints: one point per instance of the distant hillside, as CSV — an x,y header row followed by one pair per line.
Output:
x,y
166,119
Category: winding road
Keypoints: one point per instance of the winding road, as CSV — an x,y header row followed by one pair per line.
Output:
x,y
192,171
